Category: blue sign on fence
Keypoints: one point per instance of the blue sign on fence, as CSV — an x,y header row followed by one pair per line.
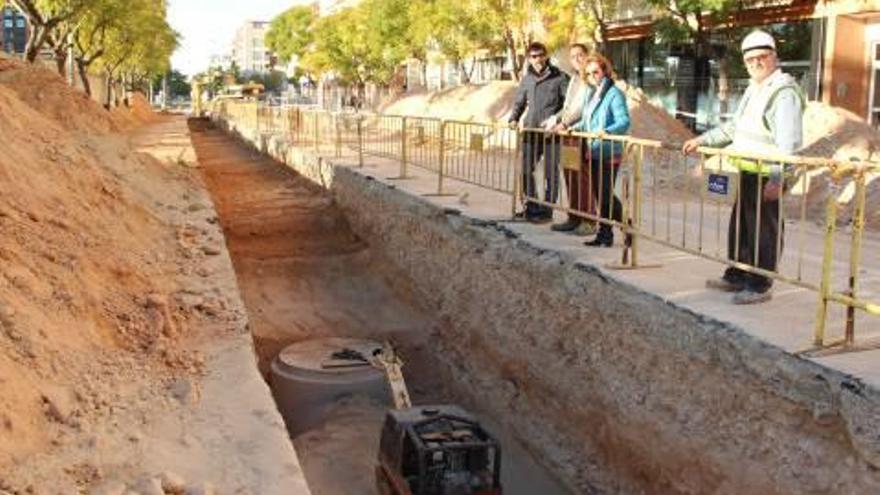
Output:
x,y
719,184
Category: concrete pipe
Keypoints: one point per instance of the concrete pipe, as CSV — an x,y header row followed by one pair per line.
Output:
x,y
307,376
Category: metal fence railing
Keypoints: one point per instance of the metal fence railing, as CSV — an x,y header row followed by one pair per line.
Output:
x,y
700,204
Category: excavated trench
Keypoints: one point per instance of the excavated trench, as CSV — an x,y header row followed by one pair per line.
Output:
x,y
303,275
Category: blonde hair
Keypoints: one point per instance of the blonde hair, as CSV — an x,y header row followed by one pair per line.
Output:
x,y
602,62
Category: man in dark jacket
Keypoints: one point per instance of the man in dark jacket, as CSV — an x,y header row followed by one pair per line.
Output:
x,y
542,90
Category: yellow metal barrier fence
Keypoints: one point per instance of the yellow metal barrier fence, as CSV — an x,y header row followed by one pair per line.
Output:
x,y
700,204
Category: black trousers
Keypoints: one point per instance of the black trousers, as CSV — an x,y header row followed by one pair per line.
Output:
x,y
602,180
534,147
767,231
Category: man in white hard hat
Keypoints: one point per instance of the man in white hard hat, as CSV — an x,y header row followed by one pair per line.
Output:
x,y
767,121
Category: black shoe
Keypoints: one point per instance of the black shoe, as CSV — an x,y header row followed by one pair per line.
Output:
x,y
750,296
566,226
724,285
600,242
539,218
526,215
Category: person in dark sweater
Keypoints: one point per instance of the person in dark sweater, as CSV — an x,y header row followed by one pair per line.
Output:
x,y
542,90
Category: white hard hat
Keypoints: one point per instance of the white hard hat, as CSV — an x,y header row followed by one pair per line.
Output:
x,y
758,40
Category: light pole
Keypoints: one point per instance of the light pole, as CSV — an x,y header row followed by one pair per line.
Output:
x,y
70,62
70,52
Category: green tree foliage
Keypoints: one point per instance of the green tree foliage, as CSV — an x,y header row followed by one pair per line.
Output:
x,y
688,20
178,86
514,18
90,37
44,19
341,47
363,44
520,22
130,40
460,30
138,47
585,21
290,34
369,41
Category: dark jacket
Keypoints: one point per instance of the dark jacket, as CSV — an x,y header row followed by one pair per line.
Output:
x,y
544,95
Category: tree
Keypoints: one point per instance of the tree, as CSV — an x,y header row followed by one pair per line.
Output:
x,y
586,21
290,34
459,30
178,86
513,19
388,25
90,37
340,47
138,47
130,38
44,17
369,42
520,22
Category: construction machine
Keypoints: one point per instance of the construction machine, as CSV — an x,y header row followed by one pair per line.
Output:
x,y
432,450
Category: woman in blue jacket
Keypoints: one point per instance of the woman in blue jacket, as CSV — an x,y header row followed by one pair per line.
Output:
x,y
605,112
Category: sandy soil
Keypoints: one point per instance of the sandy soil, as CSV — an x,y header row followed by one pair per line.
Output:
x,y
101,243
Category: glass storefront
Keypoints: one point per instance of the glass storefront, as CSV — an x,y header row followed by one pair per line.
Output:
x,y
670,75
14,34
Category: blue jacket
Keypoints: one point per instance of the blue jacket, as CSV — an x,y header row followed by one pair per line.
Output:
x,y
610,116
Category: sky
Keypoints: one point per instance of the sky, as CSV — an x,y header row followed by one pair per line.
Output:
x,y
207,27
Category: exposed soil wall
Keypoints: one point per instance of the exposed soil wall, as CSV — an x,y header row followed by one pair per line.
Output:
x,y
124,352
617,389
621,391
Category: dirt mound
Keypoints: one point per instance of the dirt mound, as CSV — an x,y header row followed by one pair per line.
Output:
x,y
833,132
137,113
650,121
493,101
473,102
141,109
47,93
84,261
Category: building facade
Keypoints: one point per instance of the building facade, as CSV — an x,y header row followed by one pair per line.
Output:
x,y
249,50
831,47
13,36
222,62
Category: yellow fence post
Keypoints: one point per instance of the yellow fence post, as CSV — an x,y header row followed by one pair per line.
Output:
x,y
338,135
855,254
516,165
403,151
442,157
825,283
317,145
635,216
360,132
632,213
